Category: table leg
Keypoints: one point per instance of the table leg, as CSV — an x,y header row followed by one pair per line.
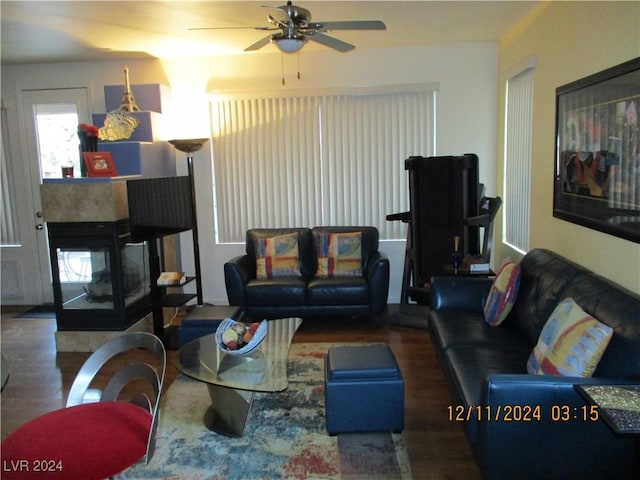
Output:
x,y
228,411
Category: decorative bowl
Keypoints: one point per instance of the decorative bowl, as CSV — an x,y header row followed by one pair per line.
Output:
x,y
247,348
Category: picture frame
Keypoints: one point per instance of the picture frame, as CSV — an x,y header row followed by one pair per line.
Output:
x,y
597,151
99,164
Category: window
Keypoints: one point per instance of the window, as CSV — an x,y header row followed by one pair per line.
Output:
x,y
317,159
58,142
517,156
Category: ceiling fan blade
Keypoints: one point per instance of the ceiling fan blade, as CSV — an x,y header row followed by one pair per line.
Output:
x,y
278,15
234,28
259,44
349,25
330,42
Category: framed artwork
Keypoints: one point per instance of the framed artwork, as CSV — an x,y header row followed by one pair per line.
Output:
x,y
99,164
597,158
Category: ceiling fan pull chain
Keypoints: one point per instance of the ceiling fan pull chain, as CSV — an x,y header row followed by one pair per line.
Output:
x,y
298,60
282,65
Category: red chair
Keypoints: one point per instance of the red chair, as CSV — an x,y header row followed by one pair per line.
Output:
x,y
100,439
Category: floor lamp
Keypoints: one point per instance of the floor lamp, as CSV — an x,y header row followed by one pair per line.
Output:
x,y
189,146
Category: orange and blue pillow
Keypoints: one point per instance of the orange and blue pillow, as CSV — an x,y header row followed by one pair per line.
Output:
x,y
503,294
571,343
277,256
339,254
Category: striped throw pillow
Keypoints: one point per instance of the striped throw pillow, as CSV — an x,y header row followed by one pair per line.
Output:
x,y
277,256
571,343
503,294
339,254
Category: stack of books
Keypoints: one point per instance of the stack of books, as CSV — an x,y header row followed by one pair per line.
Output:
x,y
479,267
170,278
476,265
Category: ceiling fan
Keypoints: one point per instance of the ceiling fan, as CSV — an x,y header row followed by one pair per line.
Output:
x,y
296,28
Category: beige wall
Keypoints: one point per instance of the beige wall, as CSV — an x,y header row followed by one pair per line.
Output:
x,y
570,40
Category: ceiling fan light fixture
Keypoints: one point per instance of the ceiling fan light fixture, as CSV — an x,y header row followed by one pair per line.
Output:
x,y
289,45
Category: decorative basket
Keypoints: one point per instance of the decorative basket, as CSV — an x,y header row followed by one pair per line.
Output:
x,y
227,323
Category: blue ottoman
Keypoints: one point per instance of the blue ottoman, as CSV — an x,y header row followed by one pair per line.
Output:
x,y
203,321
364,390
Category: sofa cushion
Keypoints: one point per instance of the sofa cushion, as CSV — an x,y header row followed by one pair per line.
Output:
x,y
338,291
453,328
471,364
466,368
276,291
503,294
277,256
571,343
339,254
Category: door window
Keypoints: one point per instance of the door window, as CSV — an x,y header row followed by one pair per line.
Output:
x,y
57,138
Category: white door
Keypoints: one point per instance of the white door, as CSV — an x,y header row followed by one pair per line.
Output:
x,y
49,120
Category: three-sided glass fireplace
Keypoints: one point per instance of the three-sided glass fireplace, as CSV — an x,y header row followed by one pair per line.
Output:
x,y
100,275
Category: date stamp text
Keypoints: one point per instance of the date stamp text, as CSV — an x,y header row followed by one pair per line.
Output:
x,y
522,413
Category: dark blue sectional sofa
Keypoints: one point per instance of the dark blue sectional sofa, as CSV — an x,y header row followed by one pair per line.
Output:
x,y
486,370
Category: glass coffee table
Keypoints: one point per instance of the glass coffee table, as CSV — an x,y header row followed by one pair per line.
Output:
x,y
233,380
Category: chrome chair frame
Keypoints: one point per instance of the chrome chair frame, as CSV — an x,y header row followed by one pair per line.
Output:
x,y
130,372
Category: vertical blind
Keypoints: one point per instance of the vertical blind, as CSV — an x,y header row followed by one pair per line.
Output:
x,y
517,159
317,159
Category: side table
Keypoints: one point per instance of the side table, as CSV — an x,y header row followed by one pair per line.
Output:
x,y
618,405
465,271
233,380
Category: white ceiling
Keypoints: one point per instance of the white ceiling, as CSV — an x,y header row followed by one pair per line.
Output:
x,y
49,31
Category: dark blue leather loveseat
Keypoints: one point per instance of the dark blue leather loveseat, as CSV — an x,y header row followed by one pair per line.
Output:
x,y
485,368
308,294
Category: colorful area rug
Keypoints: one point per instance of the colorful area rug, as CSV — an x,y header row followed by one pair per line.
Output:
x,y
284,437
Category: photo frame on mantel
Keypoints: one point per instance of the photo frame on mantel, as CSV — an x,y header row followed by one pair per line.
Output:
x,y
597,158
99,164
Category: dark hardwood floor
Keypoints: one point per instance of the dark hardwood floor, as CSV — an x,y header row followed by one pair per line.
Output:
x,y
40,378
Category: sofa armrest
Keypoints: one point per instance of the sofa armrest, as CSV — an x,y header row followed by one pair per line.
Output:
x,y
565,440
237,273
462,293
377,275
